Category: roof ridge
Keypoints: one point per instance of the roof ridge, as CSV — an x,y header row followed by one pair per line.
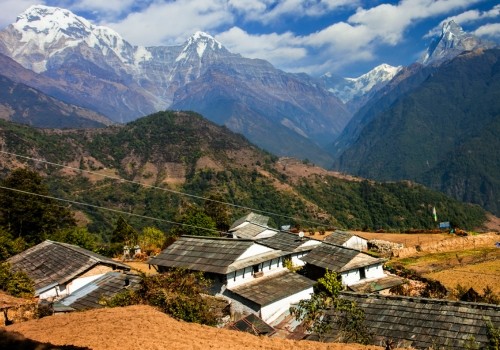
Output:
x,y
219,238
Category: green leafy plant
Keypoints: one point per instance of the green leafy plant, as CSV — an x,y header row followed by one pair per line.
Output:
x,y
16,283
326,311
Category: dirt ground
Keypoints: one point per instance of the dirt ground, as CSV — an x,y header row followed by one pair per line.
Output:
x,y
143,327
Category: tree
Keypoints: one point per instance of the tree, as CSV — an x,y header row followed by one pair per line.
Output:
x,y
30,216
77,236
217,210
326,310
151,239
16,283
124,233
195,222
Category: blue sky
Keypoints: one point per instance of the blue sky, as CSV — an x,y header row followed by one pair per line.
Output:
x,y
345,37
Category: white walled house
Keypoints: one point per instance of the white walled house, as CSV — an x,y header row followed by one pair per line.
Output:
x,y
347,239
358,271
58,269
249,274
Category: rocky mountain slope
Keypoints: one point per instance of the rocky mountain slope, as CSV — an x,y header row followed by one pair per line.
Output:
x,y
124,82
26,105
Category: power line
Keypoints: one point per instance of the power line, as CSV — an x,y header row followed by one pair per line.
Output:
x,y
160,188
104,208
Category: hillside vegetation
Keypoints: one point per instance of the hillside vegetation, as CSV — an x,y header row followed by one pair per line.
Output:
x,y
443,133
183,152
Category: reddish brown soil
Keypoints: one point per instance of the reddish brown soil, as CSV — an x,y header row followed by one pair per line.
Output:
x,y
143,327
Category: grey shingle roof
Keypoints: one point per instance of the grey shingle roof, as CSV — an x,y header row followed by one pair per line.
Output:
x,y
106,286
251,217
422,323
52,263
377,285
338,237
209,254
286,241
252,324
249,231
266,290
338,259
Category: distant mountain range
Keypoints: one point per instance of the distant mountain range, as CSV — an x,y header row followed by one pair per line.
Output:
x,y
60,70
288,114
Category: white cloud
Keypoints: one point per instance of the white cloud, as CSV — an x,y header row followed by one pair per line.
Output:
x,y
277,48
107,8
389,22
490,30
10,9
266,11
172,22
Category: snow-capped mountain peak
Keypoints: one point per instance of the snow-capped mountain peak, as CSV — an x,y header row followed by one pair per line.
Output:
x,y
199,42
348,88
47,32
452,41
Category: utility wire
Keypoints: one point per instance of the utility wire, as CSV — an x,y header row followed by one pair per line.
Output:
x,y
160,188
104,208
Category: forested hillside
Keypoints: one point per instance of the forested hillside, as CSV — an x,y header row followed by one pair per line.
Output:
x,y
443,133
172,152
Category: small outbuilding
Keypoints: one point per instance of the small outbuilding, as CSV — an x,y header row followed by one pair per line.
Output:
x,y
347,239
354,267
58,269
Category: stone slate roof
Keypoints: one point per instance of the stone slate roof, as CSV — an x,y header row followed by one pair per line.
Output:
x,y
249,231
253,218
338,237
106,286
374,286
266,290
52,263
252,324
285,241
423,323
339,259
208,254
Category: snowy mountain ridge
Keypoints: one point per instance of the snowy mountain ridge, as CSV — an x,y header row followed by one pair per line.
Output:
x,y
348,88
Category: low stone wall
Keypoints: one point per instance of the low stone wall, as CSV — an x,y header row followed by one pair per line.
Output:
x,y
452,244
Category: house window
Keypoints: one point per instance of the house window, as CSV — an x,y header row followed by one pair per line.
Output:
x,y
362,274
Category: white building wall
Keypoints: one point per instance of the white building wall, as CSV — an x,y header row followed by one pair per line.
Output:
x,y
266,234
271,312
246,275
51,293
374,271
77,283
371,272
253,250
296,261
356,242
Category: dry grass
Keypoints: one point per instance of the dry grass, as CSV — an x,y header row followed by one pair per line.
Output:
x,y
143,327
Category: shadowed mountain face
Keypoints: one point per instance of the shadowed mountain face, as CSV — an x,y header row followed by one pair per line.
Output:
x,y
94,67
23,104
440,132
